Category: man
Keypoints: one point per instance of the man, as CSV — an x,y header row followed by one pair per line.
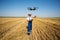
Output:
x,y
29,19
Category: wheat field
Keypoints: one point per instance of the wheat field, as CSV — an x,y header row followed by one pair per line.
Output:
x,y
42,29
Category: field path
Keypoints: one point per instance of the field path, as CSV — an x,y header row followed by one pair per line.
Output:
x,y
42,29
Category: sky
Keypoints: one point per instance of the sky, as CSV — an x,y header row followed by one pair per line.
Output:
x,y
18,8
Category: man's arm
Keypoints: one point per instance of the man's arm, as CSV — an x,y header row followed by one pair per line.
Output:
x,y
32,19
27,19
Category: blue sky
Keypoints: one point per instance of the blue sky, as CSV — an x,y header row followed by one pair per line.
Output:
x,y
47,8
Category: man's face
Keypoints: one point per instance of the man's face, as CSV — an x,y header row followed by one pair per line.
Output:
x,y
29,14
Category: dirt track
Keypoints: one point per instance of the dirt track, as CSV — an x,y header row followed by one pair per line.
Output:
x,y
43,29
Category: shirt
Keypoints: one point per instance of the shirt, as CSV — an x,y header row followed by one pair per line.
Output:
x,y
29,18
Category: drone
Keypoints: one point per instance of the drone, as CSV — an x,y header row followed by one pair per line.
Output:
x,y
32,8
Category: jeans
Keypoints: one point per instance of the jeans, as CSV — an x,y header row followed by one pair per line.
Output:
x,y
29,26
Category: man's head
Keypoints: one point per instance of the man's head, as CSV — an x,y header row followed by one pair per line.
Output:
x,y
29,14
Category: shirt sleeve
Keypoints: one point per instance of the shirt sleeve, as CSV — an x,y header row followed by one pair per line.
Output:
x,y
27,18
